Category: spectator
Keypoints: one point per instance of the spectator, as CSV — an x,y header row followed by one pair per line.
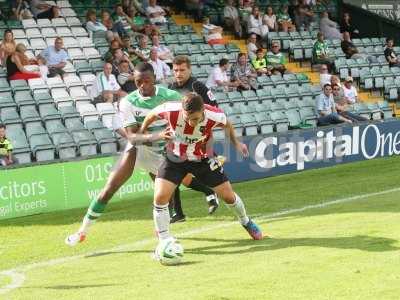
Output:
x,y
329,28
245,9
129,51
115,44
163,52
303,15
347,26
349,91
42,10
95,27
5,148
116,27
117,56
121,17
43,69
275,59
243,73
326,108
342,105
219,76
232,20
252,46
195,8
7,46
106,87
212,33
155,13
143,49
284,21
20,10
161,69
321,52
16,63
269,19
56,57
255,24
390,54
125,77
260,63
184,82
351,51
324,76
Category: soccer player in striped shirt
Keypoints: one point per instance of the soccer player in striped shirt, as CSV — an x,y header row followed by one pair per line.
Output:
x,y
189,150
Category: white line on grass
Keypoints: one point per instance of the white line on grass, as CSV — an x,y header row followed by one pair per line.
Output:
x,y
18,278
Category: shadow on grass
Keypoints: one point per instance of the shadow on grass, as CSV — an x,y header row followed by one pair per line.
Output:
x,y
358,242
70,286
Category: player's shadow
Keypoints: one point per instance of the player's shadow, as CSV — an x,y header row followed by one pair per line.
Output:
x,y
70,286
229,246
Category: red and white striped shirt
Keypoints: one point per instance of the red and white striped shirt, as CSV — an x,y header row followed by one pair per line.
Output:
x,y
190,143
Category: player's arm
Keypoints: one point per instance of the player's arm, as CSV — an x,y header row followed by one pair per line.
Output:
x,y
230,132
137,136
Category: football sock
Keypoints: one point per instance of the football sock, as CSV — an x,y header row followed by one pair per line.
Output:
x,y
200,187
240,210
161,220
94,211
176,198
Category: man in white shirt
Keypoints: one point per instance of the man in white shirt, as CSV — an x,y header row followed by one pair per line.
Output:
x,y
324,76
350,92
164,53
155,13
106,88
219,77
161,69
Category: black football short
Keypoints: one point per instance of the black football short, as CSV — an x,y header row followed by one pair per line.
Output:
x,y
209,171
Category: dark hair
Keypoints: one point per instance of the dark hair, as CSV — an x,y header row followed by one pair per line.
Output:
x,y
144,67
7,31
320,34
259,50
223,62
89,13
389,39
192,103
327,84
241,54
2,126
182,59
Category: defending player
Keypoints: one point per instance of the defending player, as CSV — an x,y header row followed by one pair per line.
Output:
x,y
190,125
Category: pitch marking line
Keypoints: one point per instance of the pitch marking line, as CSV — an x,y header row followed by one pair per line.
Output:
x,y
17,274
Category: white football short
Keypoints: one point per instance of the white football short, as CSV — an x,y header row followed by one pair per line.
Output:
x,y
146,158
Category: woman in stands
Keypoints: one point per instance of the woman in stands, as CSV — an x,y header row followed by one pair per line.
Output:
x,y
117,28
244,73
7,46
346,25
16,63
97,28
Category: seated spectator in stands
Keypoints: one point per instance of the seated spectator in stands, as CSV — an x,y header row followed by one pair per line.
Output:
x,y
133,4
326,108
117,56
255,24
390,54
116,27
20,9
126,78
245,8
194,8
163,52
342,106
231,18
276,59
143,49
184,82
219,77
324,76
97,28
123,18
106,88
115,44
43,69
7,46
303,15
6,148
351,51
155,13
15,64
161,69
56,57
329,28
243,73
212,33
260,63
346,25
321,53
42,10
252,46
284,21
269,19
349,91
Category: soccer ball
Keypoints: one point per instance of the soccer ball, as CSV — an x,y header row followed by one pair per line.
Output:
x,y
169,252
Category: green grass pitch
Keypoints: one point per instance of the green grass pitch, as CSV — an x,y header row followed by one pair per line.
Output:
x,y
347,249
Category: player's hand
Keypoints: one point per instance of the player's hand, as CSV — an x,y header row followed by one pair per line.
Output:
x,y
166,134
242,149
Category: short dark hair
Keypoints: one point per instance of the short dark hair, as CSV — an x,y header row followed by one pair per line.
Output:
x,y
144,67
389,39
182,59
259,50
223,62
192,103
327,84
2,126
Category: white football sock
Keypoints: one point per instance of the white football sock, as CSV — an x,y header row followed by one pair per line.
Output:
x,y
161,220
240,210
86,223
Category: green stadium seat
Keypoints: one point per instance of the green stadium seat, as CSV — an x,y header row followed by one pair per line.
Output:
x,y
376,113
32,129
10,117
21,149
85,141
249,96
29,114
308,116
68,112
106,140
65,145
280,120
265,123
250,124
42,97
235,96
237,124
4,85
42,147
74,124
19,85
293,117
387,111
55,126
49,112
82,66
6,100
96,65
264,94
24,97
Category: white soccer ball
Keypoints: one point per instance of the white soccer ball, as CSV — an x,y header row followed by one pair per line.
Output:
x,y
169,252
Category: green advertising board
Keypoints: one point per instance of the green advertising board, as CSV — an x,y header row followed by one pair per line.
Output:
x,y
59,186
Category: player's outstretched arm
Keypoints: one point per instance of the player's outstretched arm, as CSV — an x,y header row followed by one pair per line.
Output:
x,y
240,147
139,136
